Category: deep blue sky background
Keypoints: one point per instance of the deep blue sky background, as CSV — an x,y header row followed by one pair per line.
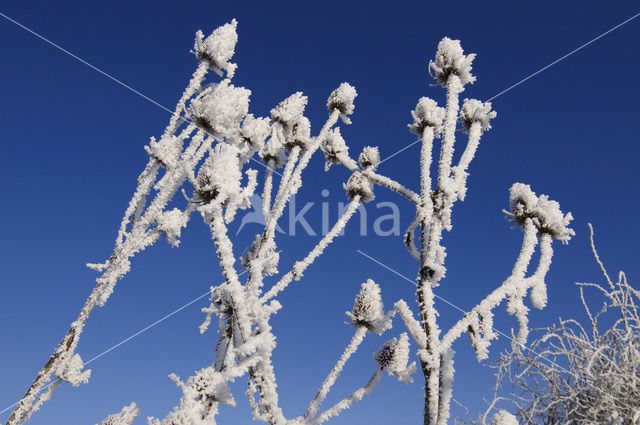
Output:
x,y
73,147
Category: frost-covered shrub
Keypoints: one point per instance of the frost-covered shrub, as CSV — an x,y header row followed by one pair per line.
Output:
x,y
576,374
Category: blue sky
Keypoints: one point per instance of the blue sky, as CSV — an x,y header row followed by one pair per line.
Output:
x,y
73,147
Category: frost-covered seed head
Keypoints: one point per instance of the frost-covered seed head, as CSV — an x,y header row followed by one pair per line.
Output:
x,y
218,48
220,108
369,158
290,110
427,114
333,146
254,132
544,213
170,223
475,111
167,151
451,60
368,310
342,99
220,175
359,185
393,356
298,134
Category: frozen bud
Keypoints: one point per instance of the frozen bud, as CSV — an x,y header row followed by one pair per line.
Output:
x,y
298,134
170,223
220,108
369,158
341,99
333,146
167,151
543,212
368,310
504,418
427,114
473,111
254,132
359,185
218,48
451,60
220,175
290,110
393,357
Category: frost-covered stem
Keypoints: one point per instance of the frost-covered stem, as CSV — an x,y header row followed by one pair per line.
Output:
x,y
413,326
145,181
454,88
425,164
475,132
409,237
500,293
335,372
266,193
393,185
346,402
300,266
224,249
194,84
430,240
282,196
446,385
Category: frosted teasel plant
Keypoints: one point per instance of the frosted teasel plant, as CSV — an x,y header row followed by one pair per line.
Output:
x,y
204,155
577,372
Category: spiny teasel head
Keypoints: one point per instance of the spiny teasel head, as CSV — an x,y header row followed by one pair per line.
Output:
x,y
451,60
473,111
219,176
369,158
359,185
253,133
393,357
368,310
217,49
333,146
341,99
427,114
220,108
543,212
289,111
298,133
